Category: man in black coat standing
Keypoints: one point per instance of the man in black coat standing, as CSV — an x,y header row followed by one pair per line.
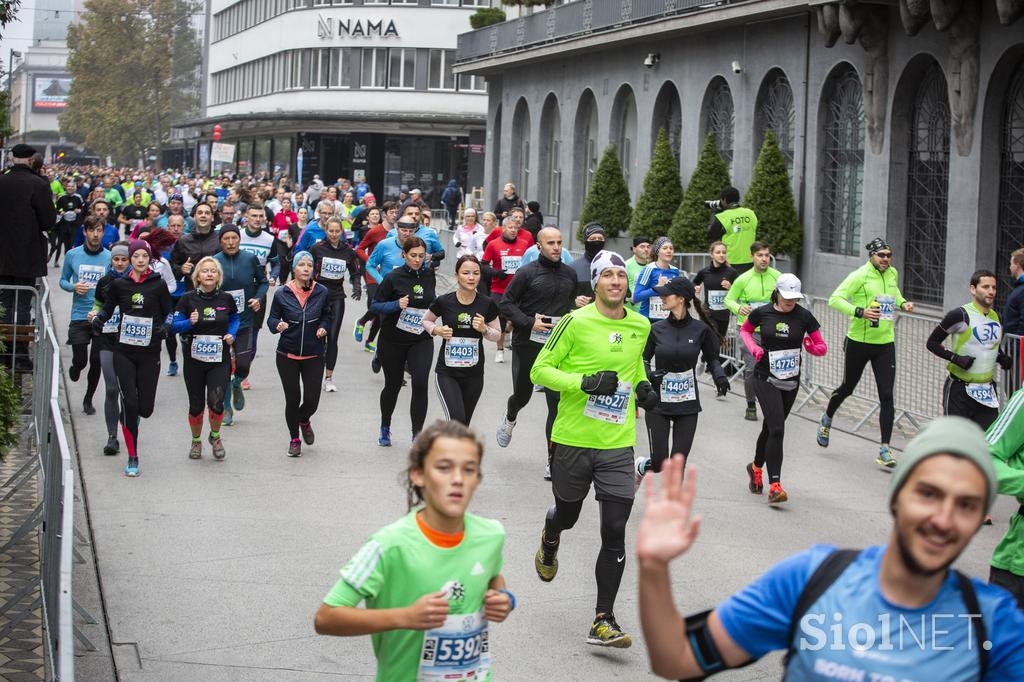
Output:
x,y
28,213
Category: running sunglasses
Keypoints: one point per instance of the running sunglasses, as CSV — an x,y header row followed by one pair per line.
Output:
x,y
884,254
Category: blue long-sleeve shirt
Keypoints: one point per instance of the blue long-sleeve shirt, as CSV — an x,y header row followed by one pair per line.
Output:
x,y
244,279
110,235
82,266
643,289
183,325
311,235
386,256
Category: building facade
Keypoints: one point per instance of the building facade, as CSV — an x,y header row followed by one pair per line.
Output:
x,y
899,119
355,89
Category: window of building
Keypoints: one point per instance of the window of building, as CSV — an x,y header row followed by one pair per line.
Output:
x,y
928,190
375,2
472,83
340,60
775,112
624,113
842,166
590,144
321,3
318,77
401,68
445,3
476,3
441,76
374,72
405,2
720,119
1011,174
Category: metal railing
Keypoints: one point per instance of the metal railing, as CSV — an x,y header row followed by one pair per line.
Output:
x,y
33,354
572,20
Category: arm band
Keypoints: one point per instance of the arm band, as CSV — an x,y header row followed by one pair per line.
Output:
x,y
703,644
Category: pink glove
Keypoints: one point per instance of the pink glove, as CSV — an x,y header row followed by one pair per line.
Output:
x,y
757,352
747,336
815,344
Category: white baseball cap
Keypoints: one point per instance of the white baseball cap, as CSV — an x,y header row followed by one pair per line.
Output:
x,y
788,286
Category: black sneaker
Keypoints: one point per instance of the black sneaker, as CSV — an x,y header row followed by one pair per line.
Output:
x,y
88,408
74,372
375,364
112,446
307,432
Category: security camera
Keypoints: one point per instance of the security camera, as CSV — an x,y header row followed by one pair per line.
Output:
x,y
737,67
651,59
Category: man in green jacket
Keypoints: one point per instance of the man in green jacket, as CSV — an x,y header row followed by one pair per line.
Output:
x,y
752,289
1006,441
736,227
870,295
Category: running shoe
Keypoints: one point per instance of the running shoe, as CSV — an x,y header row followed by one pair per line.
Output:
x,y
218,447
756,484
606,632
546,561
307,432
885,457
112,446
751,414
132,470
537,388
229,415
640,465
246,386
329,386
384,440
375,364
504,434
172,369
237,397
196,451
295,448
357,332
74,372
547,471
88,408
776,494
499,356
824,429
370,347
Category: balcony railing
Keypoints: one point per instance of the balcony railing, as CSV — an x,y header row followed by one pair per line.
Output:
x,y
572,20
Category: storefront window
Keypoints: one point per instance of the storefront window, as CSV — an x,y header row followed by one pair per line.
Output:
x,y
283,156
245,157
261,156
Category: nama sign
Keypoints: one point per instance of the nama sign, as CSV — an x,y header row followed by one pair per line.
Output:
x,y
328,27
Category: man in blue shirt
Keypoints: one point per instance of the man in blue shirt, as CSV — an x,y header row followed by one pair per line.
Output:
x,y
890,612
1013,313
314,231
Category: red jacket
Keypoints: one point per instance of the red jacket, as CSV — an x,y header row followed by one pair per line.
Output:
x,y
374,236
501,255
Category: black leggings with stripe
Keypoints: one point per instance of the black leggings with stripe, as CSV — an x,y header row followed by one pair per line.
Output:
x,y
459,395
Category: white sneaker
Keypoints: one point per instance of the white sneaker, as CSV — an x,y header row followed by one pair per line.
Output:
x,y
640,465
504,434
499,356
547,472
329,386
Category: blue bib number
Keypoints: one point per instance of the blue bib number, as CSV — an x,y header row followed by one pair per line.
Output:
x,y
984,394
411,320
207,348
610,408
461,351
678,387
716,299
457,651
136,331
784,364
332,268
90,274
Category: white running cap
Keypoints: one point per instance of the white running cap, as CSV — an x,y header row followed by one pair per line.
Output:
x,y
788,286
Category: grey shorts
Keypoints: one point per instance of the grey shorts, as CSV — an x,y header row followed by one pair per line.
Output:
x,y
573,469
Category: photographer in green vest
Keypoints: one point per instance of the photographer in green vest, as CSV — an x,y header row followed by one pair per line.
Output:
x,y
735,226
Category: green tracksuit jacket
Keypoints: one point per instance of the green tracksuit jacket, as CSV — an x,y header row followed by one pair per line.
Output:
x,y
1006,441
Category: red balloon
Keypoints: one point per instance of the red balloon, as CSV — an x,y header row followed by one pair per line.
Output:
x,y
216,133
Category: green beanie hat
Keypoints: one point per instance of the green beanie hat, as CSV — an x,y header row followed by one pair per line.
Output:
x,y
947,436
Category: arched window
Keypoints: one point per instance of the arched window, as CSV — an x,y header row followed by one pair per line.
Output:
x,y
521,149
624,130
1011,172
668,115
551,150
842,163
927,190
590,149
775,112
720,118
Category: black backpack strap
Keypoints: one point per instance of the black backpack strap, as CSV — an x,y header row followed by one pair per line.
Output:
x,y
970,598
827,572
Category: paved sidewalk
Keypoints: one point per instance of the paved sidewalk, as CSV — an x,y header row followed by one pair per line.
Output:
x,y
213,570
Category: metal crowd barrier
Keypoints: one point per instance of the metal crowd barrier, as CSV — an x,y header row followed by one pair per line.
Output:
x,y
33,354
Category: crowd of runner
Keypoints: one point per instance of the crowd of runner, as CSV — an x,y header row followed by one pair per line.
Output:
x,y
160,263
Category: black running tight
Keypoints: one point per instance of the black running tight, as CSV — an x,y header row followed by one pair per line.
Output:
x,y
775,407
300,380
370,317
659,427
88,353
206,384
882,357
337,314
111,403
137,376
611,560
394,357
459,395
172,347
523,357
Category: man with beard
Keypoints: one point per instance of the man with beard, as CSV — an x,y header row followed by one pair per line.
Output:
x,y
897,611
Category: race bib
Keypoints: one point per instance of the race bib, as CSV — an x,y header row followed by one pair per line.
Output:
x,y
111,325
207,348
136,331
461,351
754,305
784,364
458,650
678,387
332,268
90,274
542,337
610,408
887,307
411,320
984,394
239,296
716,299
656,309
511,263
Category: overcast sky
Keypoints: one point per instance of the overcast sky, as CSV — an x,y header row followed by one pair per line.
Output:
x,y
17,35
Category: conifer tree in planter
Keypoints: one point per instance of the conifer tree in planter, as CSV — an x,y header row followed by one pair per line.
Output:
x,y
486,16
770,196
690,223
607,199
661,195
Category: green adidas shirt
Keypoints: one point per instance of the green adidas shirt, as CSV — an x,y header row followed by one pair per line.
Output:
x,y
585,342
861,288
751,288
398,565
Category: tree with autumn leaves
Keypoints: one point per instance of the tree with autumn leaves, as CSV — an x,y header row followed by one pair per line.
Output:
x,y
135,71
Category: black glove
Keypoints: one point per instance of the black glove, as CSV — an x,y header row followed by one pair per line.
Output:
x,y
458,245
163,331
97,326
357,294
722,384
500,274
647,396
1005,361
962,361
601,383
